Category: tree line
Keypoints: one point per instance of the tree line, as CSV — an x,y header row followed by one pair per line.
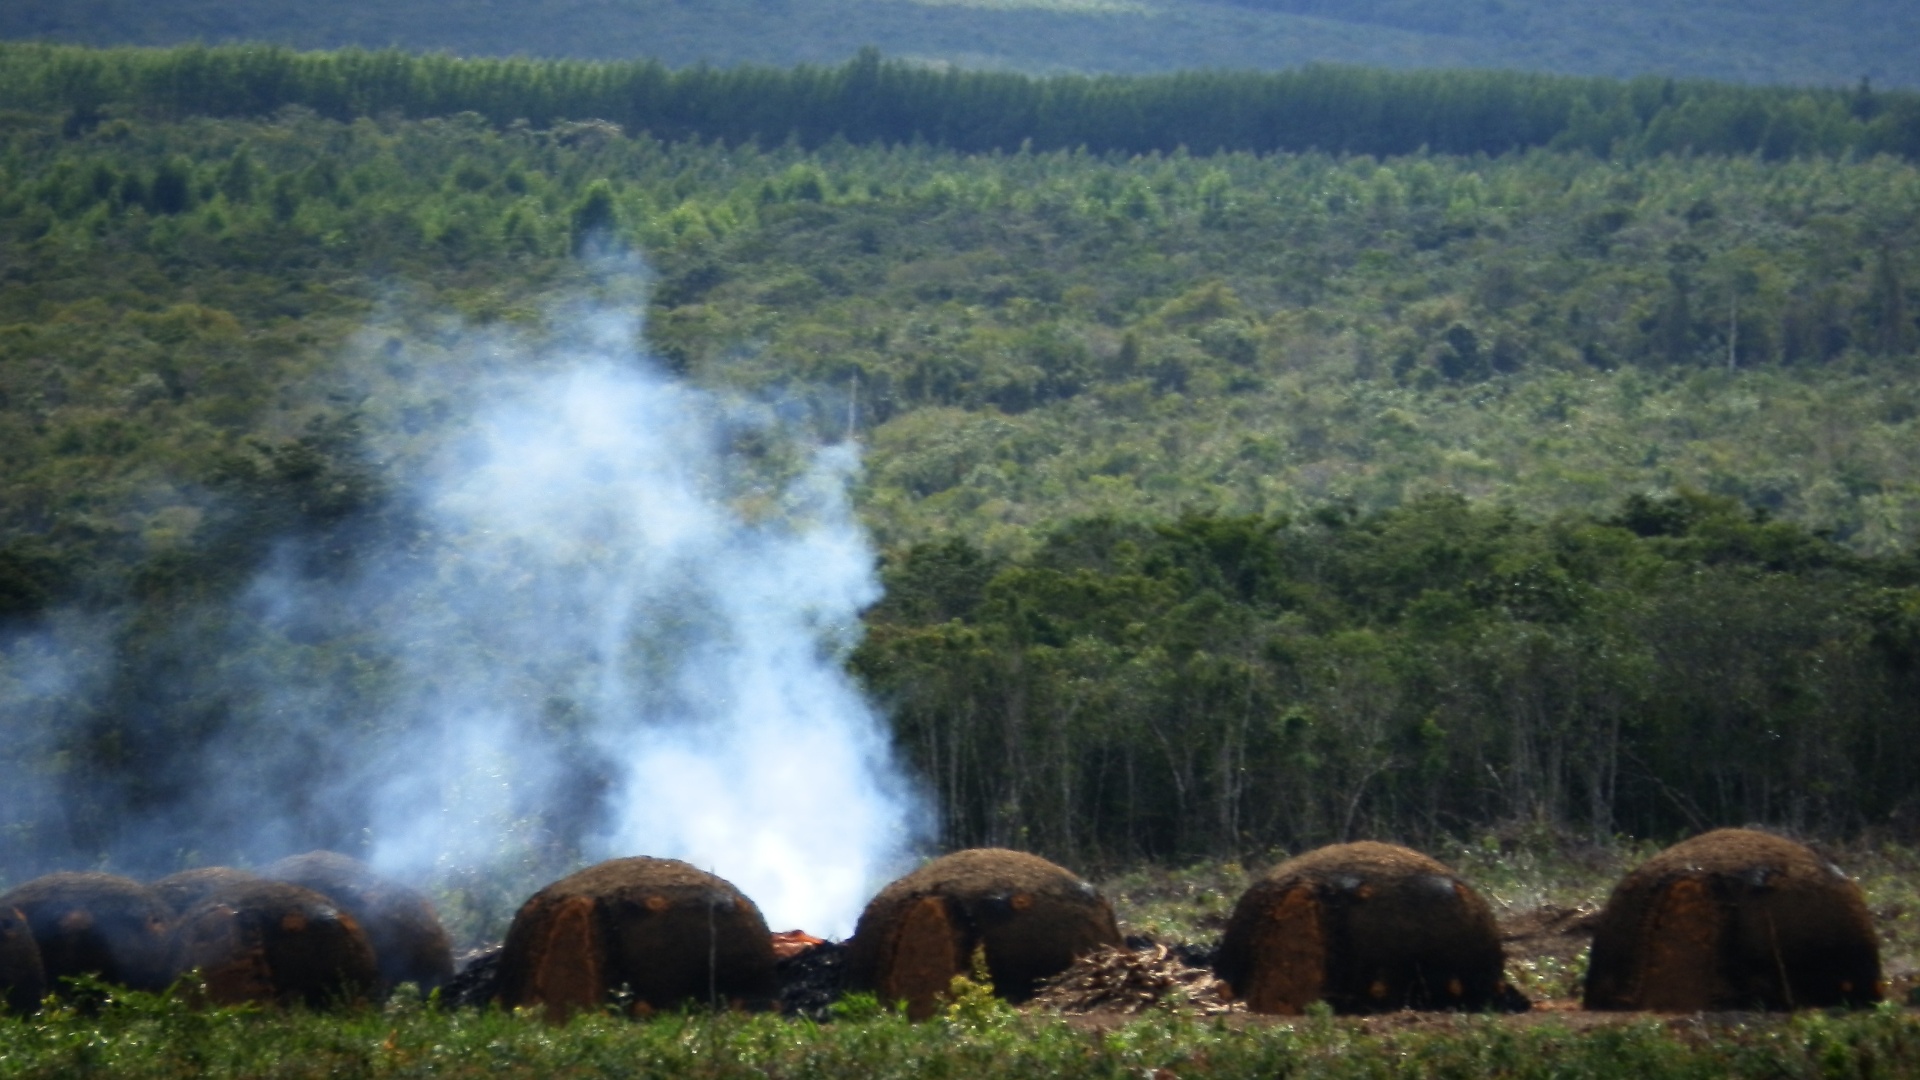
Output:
x,y
873,100
1226,685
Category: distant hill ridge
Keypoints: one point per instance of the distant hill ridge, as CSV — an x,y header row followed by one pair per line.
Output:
x,y
873,100
1753,41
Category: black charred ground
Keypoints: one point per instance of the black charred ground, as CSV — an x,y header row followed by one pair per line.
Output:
x,y
810,981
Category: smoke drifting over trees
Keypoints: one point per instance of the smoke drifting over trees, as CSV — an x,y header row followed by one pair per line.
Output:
x,y
1229,501
604,613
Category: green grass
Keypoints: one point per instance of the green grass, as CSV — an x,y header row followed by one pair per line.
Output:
x,y
141,1036
1890,876
1189,904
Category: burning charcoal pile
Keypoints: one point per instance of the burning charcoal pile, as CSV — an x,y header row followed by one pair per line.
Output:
x,y
655,932
184,891
1734,919
1367,928
23,980
271,942
1130,981
96,924
811,980
810,974
476,983
408,940
1032,918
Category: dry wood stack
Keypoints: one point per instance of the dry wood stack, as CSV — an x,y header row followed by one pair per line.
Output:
x,y
408,940
1132,981
23,981
656,933
1032,918
1365,927
272,942
1734,919
96,924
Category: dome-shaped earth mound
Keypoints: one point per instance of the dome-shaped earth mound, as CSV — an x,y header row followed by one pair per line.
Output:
x,y
96,924
183,891
1365,927
269,941
23,981
408,940
1032,918
1734,919
655,932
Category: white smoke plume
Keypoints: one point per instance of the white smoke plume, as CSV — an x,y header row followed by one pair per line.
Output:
x,y
613,620
622,597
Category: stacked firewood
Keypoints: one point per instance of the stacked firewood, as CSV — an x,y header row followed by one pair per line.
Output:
x,y
1132,981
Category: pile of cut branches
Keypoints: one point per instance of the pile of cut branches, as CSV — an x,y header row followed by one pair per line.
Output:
x,y
1132,981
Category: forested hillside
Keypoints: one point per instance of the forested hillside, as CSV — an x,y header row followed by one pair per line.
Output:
x,y
870,100
1754,41
1323,486
1436,670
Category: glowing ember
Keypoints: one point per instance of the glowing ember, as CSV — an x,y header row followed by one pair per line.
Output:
x,y
793,943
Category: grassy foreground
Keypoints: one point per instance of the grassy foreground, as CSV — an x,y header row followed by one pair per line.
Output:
x,y
152,1037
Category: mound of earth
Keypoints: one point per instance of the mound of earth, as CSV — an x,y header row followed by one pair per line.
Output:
x,y
102,925
23,981
655,933
1734,919
186,889
1031,918
408,941
272,942
1367,928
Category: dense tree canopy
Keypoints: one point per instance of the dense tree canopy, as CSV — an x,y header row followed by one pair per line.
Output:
x,y
871,100
1229,500
1215,684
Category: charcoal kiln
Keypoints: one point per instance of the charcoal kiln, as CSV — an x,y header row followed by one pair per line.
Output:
x,y
409,942
652,933
183,891
95,924
1365,927
1031,918
1734,919
275,943
23,981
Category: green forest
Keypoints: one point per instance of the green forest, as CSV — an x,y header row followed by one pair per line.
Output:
x,y
870,100
1257,460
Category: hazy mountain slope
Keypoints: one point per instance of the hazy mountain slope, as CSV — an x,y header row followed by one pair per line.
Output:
x,y
1765,41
